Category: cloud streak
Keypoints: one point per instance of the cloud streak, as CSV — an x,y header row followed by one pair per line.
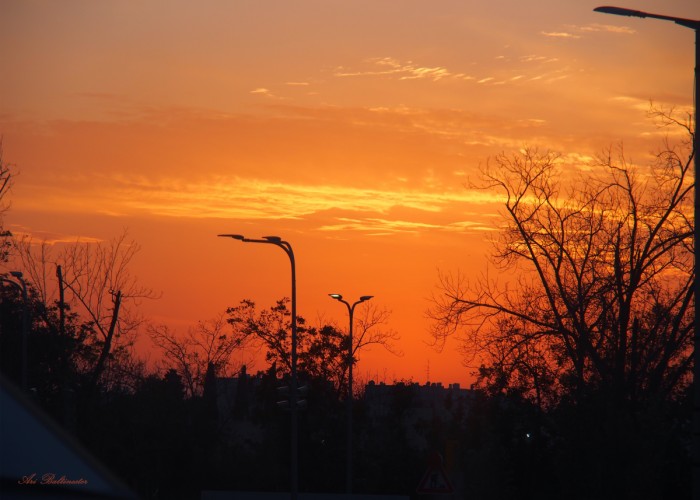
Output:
x,y
236,197
560,34
384,66
607,28
380,226
259,199
540,68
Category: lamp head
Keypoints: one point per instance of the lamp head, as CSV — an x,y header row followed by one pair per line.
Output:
x,y
234,236
273,239
365,297
619,11
335,296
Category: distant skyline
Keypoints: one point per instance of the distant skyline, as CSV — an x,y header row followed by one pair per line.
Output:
x,y
351,129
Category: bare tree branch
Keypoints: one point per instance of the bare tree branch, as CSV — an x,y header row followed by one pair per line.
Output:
x,y
208,343
601,277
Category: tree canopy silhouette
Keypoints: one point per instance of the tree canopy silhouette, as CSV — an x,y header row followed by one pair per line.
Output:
x,y
208,343
7,174
322,351
93,280
590,321
603,297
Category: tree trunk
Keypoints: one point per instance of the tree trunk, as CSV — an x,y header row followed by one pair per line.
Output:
x,y
107,346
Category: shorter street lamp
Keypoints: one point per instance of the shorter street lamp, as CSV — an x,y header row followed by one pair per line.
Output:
x,y
351,310
293,396
22,285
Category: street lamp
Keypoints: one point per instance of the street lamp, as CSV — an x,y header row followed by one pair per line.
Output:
x,y
694,25
348,402
284,245
22,285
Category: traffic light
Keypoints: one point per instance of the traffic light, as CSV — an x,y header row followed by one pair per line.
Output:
x,y
301,394
283,394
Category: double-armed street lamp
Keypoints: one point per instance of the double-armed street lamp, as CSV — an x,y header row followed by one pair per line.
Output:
x,y
293,396
694,25
348,403
22,285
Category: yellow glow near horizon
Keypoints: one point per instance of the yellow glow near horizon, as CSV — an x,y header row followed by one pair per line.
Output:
x,y
352,127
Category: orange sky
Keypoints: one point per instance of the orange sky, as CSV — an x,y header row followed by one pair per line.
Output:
x,y
347,127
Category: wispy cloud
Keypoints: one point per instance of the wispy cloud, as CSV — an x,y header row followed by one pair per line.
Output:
x,y
378,226
559,34
530,58
573,32
43,236
403,70
608,28
259,199
632,102
504,74
263,92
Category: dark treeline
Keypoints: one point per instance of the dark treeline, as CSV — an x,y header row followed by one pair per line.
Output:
x,y
497,444
164,442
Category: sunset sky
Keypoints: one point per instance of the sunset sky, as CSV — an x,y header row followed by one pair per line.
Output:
x,y
349,128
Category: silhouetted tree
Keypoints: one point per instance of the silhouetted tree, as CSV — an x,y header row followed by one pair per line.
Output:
x,y
190,356
604,294
95,276
598,329
322,351
6,178
56,357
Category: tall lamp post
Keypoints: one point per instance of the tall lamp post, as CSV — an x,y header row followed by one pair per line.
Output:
x,y
348,402
694,25
284,245
22,285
